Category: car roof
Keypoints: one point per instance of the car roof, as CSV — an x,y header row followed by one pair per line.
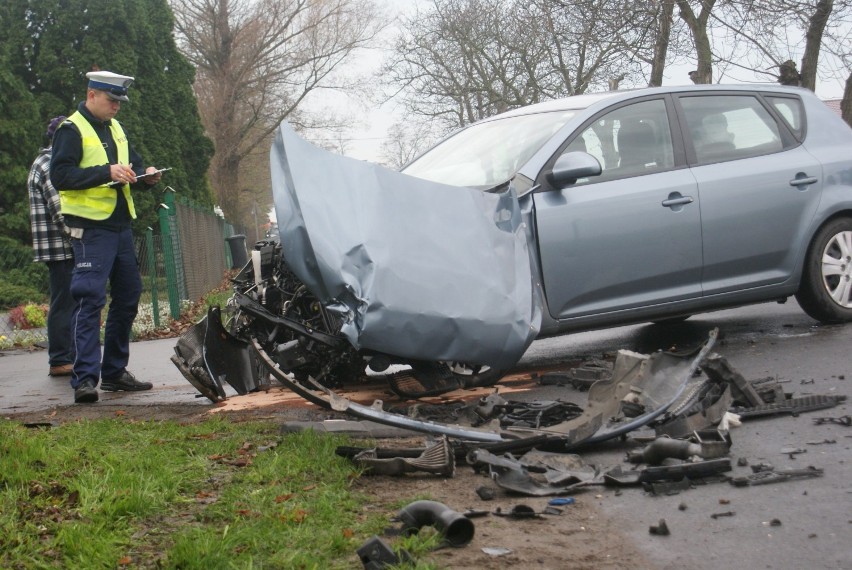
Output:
x,y
578,102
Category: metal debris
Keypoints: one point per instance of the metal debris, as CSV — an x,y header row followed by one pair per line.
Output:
x,y
548,478
718,368
667,488
773,476
793,406
706,445
438,459
703,407
842,420
697,470
539,414
518,512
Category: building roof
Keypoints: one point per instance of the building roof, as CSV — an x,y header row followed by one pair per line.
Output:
x,y
834,105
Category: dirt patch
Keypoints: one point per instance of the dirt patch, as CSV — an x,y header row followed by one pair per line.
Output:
x,y
580,537
181,413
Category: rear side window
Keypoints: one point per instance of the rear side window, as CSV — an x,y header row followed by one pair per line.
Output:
x,y
791,111
729,127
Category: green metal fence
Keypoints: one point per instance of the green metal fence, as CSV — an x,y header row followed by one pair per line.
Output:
x,y
180,261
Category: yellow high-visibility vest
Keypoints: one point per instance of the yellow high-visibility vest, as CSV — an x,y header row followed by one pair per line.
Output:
x,y
99,202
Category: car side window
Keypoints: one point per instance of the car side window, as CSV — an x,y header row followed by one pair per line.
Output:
x,y
791,111
628,141
729,127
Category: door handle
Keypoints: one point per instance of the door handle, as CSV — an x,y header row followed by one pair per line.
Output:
x,y
679,201
803,181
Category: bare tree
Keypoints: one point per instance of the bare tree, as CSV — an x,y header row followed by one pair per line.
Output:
x,y
813,41
664,11
698,26
462,60
658,39
256,61
766,37
405,141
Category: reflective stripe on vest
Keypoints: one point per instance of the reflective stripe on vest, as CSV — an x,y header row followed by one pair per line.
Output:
x,y
99,202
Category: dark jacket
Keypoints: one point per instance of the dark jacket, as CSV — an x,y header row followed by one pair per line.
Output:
x,y
66,174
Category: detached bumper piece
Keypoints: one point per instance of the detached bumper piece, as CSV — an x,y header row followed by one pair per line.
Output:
x,y
209,357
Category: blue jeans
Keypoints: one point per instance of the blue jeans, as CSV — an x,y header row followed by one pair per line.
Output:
x,y
102,256
59,343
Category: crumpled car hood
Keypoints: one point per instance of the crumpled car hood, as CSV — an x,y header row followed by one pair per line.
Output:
x,y
415,268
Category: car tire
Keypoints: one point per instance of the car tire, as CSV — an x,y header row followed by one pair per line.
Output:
x,y
825,292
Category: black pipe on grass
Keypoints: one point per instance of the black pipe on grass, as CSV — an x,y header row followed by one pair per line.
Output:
x,y
456,528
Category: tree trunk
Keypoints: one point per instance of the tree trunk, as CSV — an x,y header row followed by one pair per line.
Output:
x,y
846,102
225,180
661,44
813,40
698,28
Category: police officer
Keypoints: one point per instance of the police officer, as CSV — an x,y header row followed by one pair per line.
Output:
x,y
93,165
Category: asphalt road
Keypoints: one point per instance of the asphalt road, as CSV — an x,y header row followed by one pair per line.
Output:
x,y
816,514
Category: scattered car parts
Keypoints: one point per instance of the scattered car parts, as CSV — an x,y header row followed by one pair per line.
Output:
x,y
438,460
663,448
375,554
841,420
456,529
792,406
765,477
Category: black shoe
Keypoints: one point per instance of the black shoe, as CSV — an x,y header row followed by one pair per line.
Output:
x,y
85,393
126,382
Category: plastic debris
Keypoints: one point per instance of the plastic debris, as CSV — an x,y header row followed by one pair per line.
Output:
x,y
560,501
660,529
496,551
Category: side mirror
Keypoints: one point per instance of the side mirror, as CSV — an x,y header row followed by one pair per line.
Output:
x,y
571,166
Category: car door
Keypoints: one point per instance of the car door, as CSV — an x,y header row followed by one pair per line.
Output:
x,y
630,237
759,189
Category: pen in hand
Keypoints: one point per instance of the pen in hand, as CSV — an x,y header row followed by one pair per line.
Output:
x,y
122,174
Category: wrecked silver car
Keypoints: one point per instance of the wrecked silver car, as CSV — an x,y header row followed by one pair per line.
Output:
x,y
582,213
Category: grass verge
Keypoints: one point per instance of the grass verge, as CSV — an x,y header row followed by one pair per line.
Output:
x,y
216,494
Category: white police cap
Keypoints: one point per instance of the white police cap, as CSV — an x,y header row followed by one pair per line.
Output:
x,y
113,84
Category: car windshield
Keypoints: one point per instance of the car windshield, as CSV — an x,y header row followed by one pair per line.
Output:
x,y
489,153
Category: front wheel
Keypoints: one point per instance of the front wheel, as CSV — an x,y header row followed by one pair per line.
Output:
x,y
826,289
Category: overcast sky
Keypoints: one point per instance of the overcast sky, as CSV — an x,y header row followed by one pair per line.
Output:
x,y
364,141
